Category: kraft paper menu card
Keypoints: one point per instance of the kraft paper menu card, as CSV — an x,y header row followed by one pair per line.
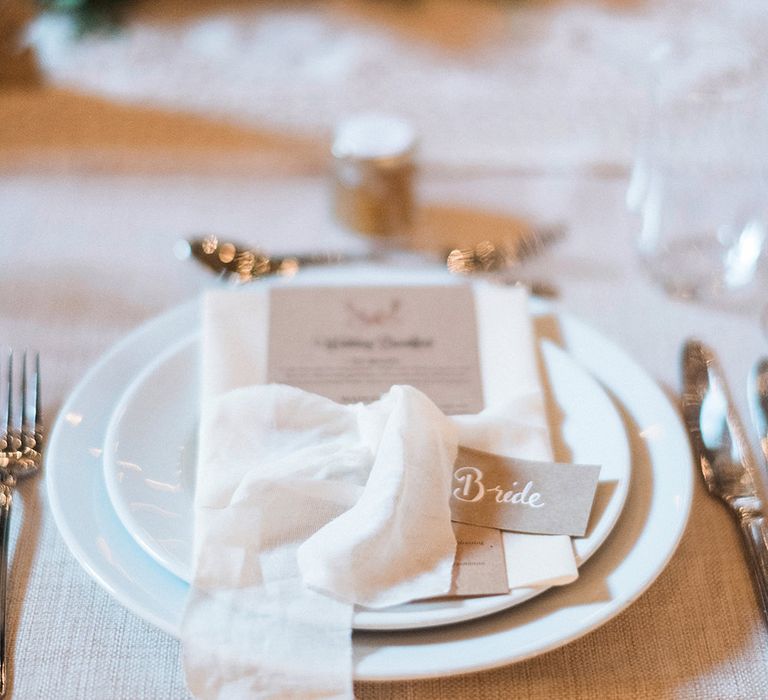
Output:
x,y
351,344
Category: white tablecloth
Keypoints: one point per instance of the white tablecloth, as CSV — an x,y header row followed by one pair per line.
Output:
x,y
92,196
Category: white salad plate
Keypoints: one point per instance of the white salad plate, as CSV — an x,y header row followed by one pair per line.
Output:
x,y
149,461
641,543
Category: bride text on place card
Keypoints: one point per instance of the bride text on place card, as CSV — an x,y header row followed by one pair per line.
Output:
x,y
473,489
522,495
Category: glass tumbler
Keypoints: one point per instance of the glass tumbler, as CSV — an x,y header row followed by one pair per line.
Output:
x,y
699,179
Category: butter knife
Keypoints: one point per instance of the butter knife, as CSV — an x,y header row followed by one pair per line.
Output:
x,y
722,450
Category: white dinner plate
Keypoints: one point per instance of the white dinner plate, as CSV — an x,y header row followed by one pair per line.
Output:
x,y
639,547
149,458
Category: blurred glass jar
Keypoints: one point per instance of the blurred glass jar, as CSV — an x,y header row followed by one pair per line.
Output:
x,y
373,172
699,178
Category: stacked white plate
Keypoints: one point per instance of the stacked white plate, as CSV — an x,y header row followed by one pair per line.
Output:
x,y
121,476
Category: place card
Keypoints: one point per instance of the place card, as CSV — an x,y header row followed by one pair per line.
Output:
x,y
352,344
522,495
479,567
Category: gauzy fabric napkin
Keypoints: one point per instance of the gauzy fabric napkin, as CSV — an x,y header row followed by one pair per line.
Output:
x,y
305,507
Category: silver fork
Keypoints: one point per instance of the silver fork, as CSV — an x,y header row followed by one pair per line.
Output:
x,y
21,443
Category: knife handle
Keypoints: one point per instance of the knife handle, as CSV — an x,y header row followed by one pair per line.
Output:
x,y
755,535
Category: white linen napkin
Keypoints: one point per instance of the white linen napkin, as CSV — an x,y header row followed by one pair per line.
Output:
x,y
297,494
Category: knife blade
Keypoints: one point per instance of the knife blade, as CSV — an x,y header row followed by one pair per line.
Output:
x,y
757,392
722,450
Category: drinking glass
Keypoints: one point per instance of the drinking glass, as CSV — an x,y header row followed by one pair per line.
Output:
x,y
699,179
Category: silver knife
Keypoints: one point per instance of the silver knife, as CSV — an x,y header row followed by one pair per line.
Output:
x,y
722,450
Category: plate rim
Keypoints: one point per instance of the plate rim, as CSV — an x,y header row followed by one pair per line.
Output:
x,y
364,620
368,665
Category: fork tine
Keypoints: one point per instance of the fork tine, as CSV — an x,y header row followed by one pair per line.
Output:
x,y
35,404
30,424
36,417
23,396
38,400
9,405
3,412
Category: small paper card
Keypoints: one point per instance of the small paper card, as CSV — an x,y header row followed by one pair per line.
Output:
x,y
522,496
479,567
353,343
